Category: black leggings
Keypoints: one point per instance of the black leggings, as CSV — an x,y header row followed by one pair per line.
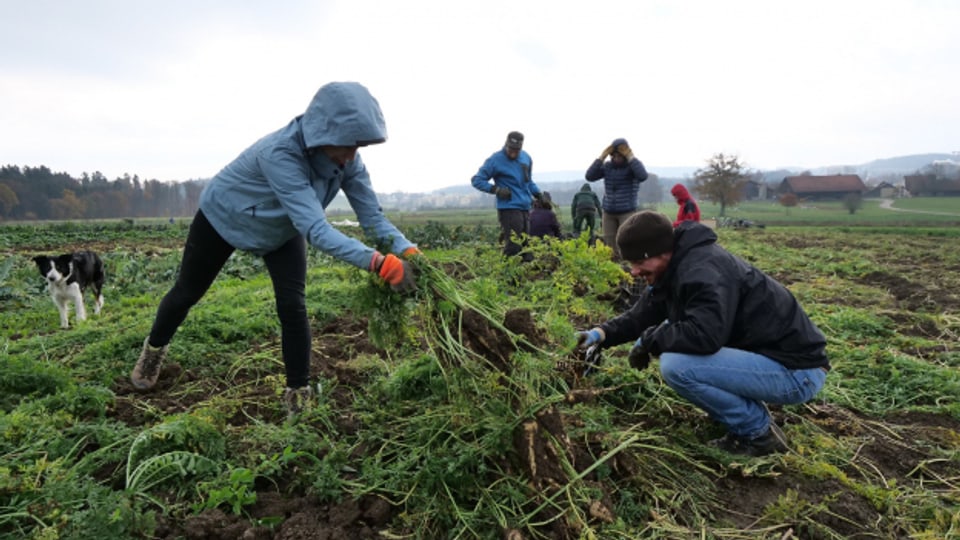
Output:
x,y
204,255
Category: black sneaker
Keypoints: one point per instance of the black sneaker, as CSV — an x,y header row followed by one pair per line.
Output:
x,y
773,441
727,443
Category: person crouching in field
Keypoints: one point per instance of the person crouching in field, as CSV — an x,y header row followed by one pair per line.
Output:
x,y
270,201
729,337
543,220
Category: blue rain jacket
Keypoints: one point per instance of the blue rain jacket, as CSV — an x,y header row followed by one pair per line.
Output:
x,y
279,187
515,174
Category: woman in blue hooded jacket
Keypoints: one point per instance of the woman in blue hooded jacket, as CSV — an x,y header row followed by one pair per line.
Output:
x,y
622,176
270,201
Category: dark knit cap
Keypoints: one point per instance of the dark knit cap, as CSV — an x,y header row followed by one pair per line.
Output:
x,y
515,140
645,234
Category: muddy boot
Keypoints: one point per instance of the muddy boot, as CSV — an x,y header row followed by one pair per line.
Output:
x,y
728,443
296,400
772,441
147,370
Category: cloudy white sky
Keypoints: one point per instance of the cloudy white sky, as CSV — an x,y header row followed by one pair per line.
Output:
x,y
174,90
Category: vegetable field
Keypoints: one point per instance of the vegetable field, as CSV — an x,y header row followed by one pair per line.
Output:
x,y
462,411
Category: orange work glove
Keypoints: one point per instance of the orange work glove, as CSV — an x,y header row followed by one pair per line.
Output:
x,y
395,271
410,252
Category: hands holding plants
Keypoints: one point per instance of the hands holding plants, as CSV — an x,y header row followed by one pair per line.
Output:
x,y
397,272
590,337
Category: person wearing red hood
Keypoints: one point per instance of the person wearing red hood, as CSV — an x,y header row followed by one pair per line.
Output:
x,y
688,211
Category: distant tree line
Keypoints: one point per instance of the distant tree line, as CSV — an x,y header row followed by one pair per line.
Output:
x,y
37,193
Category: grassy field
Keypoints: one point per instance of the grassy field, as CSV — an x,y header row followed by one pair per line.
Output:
x,y
925,211
461,412
930,211
921,211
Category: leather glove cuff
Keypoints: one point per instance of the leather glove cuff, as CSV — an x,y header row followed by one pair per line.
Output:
x,y
376,261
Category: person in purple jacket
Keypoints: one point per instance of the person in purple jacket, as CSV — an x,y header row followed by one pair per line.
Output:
x,y
270,202
508,174
543,220
622,175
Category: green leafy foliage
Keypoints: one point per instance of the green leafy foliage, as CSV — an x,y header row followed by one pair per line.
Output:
x,y
235,491
21,377
411,414
186,446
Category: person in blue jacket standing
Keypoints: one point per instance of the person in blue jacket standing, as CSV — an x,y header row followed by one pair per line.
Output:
x,y
622,175
270,201
508,174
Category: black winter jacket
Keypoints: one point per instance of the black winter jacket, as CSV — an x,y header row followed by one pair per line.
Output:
x,y
621,185
714,299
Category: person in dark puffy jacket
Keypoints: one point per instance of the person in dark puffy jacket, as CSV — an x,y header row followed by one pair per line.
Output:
x,y
508,174
543,220
730,338
688,211
270,201
622,175
585,208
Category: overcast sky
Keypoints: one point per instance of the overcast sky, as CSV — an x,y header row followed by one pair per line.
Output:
x,y
175,89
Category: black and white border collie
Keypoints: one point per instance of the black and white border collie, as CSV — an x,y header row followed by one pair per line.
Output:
x,y
68,276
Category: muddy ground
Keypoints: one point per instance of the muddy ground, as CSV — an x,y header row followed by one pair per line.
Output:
x,y
893,449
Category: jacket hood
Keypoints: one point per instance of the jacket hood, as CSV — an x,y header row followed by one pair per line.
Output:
x,y
687,236
585,187
343,114
679,192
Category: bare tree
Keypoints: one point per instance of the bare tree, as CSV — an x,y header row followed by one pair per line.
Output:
x,y
721,181
789,200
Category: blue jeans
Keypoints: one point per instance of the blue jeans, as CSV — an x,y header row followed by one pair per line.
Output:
x,y
732,386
